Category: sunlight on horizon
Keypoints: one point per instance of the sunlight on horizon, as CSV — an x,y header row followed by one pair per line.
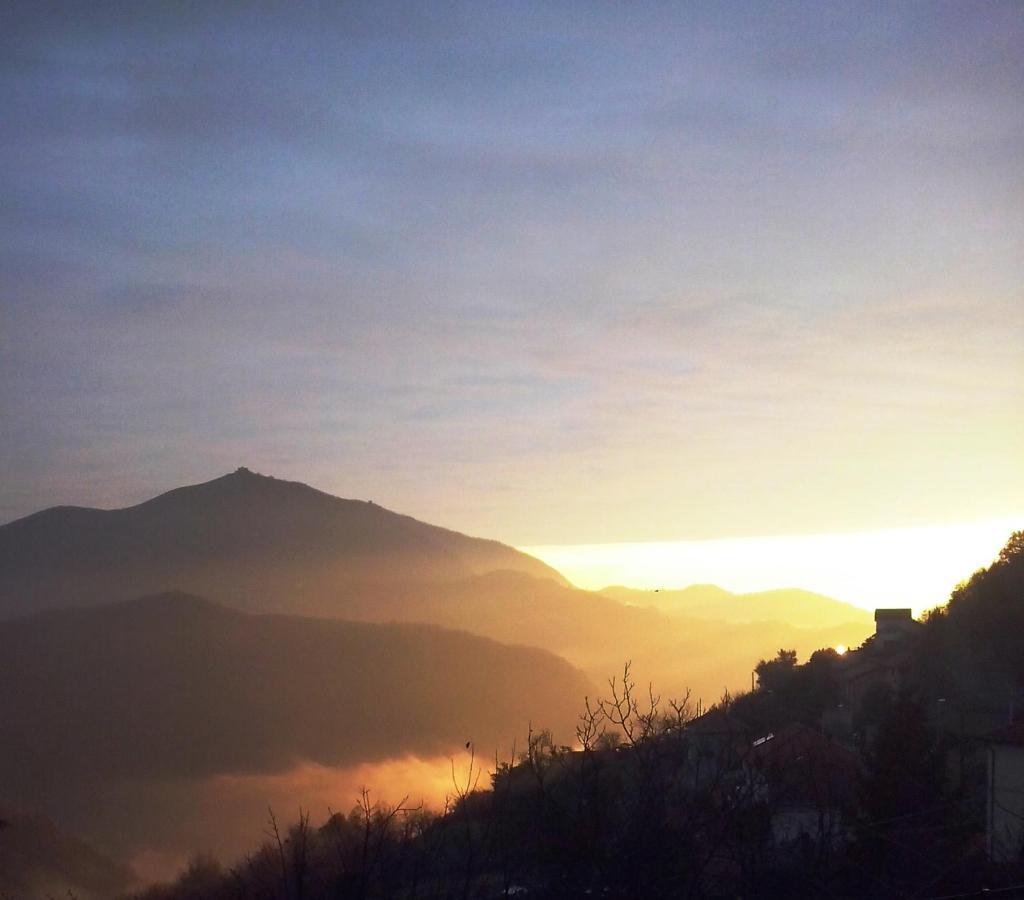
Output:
x,y
916,567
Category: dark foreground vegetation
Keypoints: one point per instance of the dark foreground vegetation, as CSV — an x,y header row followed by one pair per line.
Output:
x,y
822,782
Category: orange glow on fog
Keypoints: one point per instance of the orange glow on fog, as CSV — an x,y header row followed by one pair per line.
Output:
x,y
426,781
227,814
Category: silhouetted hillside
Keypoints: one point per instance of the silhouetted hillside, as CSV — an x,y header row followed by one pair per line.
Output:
x,y
971,647
173,686
249,540
707,601
39,860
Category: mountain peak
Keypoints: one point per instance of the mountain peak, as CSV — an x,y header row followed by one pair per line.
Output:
x,y
244,473
243,484
245,539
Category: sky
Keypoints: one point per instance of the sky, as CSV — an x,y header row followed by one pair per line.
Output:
x,y
556,274
915,567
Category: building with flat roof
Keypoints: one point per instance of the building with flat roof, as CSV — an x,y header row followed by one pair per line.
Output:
x,y
893,625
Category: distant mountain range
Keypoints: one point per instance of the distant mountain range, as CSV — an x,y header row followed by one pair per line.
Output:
x,y
707,601
248,540
599,633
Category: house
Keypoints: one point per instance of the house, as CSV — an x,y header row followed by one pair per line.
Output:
x,y
883,659
1005,789
808,781
718,734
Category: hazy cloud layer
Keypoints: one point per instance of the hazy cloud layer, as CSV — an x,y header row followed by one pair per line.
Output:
x,y
551,275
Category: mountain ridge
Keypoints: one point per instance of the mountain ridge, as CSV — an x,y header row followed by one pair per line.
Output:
x,y
708,601
243,538
174,685
140,712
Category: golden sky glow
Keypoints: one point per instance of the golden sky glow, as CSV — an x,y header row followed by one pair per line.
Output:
x,y
914,567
